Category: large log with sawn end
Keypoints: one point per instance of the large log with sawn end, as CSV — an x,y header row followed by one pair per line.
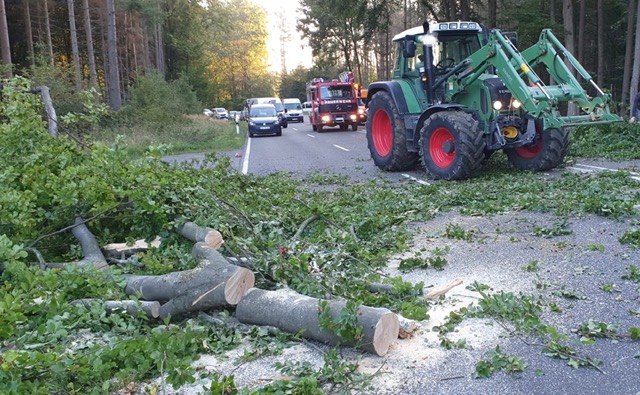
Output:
x,y
293,312
212,284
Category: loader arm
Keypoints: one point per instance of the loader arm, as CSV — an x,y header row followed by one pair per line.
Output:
x,y
540,101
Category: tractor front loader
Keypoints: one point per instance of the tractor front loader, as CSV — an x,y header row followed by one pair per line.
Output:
x,y
461,92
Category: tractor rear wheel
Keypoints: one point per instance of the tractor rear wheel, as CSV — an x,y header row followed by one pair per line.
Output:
x,y
386,136
354,126
547,152
344,126
451,145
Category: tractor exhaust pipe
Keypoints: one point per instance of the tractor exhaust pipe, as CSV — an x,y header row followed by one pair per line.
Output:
x,y
427,77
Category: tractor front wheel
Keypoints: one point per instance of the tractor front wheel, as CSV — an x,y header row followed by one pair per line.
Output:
x,y
547,152
386,135
451,145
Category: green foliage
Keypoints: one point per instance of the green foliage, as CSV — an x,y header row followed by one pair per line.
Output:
x,y
455,231
499,361
615,141
592,329
152,99
558,229
532,266
345,324
633,275
631,237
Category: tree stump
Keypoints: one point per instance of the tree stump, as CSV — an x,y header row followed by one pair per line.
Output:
x,y
293,312
213,283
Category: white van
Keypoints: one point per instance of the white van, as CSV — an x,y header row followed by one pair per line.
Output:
x,y
294,110
277,103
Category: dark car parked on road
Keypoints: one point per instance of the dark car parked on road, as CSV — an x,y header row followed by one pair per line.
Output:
x,y
263,119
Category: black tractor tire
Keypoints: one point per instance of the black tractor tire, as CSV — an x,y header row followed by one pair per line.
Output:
x,y
314,127
386,136
320,127
354,126
344,126
451,145
547,152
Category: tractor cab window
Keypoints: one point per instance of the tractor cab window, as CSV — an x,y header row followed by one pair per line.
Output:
x,y
452,49
336,92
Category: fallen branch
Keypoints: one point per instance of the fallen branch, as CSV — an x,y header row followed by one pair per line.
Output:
x,y
296,313
436,293
91,251
123,250
212,284
195,233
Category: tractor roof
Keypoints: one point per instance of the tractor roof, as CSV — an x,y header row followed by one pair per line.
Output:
x,y
440,27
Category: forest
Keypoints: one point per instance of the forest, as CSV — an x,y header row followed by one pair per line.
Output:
x,y
219,47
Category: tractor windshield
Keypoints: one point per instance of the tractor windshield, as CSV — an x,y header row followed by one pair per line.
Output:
x,y
452,49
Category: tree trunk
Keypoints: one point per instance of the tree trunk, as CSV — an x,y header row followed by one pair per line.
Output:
x,y
5,45
569,42
92,253
115,99
47,27
74,46
214,283
465,10
635,75
295,313
93,76
159,47
29,32
628,56
601,43
52,118
492,13
581,20
145,42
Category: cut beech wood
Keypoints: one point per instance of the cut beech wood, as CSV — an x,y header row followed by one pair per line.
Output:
x,y
436,293
131,307
193,232
407,327
118,250
213,283
293,313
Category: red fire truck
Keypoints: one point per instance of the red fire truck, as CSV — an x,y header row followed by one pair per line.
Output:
x,y
333,103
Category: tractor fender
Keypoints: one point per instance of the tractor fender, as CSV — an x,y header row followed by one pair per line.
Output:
x,y
394,89
434,109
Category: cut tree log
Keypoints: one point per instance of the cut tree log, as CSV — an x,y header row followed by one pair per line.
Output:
x,y
436,293
214,283
119,250
131,307
294,313
195,233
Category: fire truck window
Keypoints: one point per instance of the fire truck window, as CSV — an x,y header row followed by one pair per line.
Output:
x,y
336,92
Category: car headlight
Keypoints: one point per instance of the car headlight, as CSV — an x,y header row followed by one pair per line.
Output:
x,y
326,118
353,117
252,123
360,111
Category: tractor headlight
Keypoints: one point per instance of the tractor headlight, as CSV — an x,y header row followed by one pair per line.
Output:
x,y
516,104
326,118
497,105
353,117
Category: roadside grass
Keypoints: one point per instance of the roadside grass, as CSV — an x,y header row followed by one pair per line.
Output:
x,y
189,133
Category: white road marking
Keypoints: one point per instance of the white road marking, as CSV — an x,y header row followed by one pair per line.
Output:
x,y
594,169
294,129
361,131
339,147
245,162
419,181
312,136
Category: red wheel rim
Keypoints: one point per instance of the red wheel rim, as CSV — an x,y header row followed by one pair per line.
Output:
x,y
382,132
530,151
440,157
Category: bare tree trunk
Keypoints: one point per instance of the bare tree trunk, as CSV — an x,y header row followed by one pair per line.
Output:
x,y
93,76
5,45
553,15
115,100
600,79
465,10
628,55
29,32
635,75
146,55
74,46
581,20
159,47
492,13
569,41
48,31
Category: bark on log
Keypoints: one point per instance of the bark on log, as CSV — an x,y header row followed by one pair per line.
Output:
x,y
293,313
214,283
131,307
193,232
90,248
119,250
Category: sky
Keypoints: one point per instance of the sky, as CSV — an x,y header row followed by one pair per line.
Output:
x,y
298,51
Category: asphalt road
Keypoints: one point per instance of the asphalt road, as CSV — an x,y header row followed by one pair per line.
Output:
x,y
572,274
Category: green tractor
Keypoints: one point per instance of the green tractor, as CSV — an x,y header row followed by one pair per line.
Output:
x,y
461,92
